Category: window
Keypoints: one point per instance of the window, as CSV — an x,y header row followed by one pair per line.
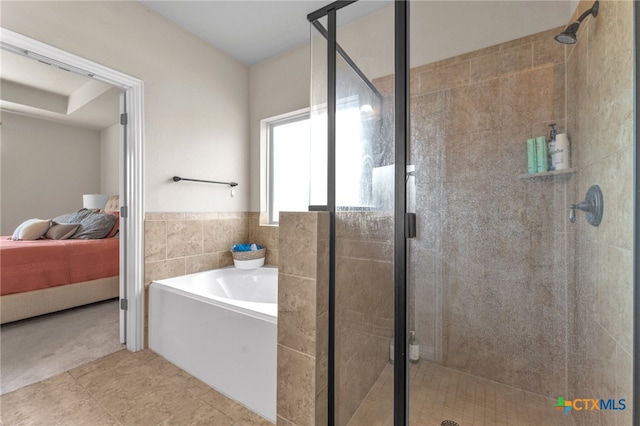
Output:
x,y
288,148
295,163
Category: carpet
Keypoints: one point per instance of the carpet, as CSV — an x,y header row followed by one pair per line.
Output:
x,y
35,349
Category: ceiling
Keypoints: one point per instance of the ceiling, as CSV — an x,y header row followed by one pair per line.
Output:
x,y
252,31
33,88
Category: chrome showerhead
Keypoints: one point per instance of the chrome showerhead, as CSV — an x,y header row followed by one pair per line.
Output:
x,y
568,36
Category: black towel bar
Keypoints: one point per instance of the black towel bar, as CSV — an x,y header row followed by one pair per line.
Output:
x,y
231,184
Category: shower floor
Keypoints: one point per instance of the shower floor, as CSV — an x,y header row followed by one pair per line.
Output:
x,y
438,393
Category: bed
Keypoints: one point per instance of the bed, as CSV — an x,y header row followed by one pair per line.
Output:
x,y
42,275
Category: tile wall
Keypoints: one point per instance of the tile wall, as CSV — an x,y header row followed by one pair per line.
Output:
x,y
488,271
600,122
303,284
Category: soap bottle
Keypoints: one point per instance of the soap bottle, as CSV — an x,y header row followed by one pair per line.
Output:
x,y
414,348
391,350
551,150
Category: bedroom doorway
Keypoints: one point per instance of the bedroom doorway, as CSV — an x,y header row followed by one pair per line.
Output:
x,y
131,173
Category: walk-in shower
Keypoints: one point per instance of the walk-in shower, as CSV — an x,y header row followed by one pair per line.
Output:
x,y
518,312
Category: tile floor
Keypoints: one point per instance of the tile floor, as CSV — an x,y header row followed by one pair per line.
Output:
x,y
438,393
124,388
143,388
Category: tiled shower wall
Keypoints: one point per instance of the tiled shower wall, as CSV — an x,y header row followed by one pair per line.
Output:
x,y
600,123
488,269
364,307
183,243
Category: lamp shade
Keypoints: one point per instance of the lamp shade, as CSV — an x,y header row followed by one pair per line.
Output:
x,y
94,201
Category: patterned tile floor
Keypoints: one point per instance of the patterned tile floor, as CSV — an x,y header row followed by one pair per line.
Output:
x,y
438,393
124,388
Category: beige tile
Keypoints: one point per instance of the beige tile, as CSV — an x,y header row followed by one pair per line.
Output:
x,y
532,96
124,388
226,405
281,421
184,238
164,216
616,181
225,258
445,77
296,381
505,61
252,419
201,263
215,235
624,384
297,313
615,293
164,269
546,50
155,240
474,107
49,397
197,413
298,244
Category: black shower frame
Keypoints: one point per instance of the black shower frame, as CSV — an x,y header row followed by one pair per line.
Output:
x,y
401,44
401,116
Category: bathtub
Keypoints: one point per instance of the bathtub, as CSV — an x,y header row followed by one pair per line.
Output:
x,y
221,327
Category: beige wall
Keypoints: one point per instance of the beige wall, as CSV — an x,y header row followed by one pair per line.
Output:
x,y
196,98
45,168
600,123
277,86
110,160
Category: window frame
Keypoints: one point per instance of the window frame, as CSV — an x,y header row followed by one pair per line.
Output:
x,y
271,123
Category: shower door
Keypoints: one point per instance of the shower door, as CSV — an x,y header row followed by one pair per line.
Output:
x,y
520,306
360,197
518,310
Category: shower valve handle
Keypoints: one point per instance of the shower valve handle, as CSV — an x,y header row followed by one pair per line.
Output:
x,y
592,206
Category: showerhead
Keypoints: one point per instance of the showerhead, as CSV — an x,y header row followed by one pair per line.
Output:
x,y
568,36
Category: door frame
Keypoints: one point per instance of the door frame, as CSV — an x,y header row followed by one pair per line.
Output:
x,y
131,172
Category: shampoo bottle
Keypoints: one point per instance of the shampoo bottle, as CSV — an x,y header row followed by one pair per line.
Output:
x,y
561,155
414,348
541,150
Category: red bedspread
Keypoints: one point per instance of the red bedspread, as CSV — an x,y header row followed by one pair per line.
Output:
x,y
34,265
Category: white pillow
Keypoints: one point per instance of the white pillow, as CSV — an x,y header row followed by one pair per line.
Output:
x,y
31,229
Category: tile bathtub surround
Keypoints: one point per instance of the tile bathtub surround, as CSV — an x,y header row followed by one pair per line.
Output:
x,y
183,243
124,388
302,318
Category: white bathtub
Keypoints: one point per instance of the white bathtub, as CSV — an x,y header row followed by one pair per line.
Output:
x,y
221,327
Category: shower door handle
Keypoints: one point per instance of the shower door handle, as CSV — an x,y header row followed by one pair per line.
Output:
x,y
409,225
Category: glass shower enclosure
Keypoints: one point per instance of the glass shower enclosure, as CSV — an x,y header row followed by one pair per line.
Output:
x,y
502,300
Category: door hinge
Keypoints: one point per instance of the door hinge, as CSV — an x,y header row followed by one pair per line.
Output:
x,y
410,225
124,117
124,304
124,211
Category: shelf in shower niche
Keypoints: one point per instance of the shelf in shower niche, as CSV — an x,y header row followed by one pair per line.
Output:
x,y
547,174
